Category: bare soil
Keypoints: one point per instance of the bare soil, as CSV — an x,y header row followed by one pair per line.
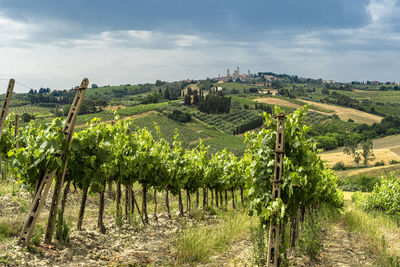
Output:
x,y
340,248
153,245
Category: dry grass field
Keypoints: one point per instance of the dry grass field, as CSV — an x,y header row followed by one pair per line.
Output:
x,y
386,155
389,142
276,101
371,171
342,112
386,149
349,113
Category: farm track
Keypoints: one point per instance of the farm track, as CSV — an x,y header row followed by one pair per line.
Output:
x,y
343,248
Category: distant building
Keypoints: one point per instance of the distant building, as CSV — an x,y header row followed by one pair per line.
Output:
x,y
268,92
328,81
216,89
269,77
192,87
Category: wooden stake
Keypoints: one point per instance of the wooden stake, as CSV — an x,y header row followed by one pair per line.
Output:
x,y
45,183
274,229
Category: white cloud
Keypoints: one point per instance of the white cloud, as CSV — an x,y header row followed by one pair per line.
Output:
x,y
12,30
379,9
37,55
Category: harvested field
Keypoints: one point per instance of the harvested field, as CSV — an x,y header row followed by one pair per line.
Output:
x,y
114,108
343,113
389,142
349,113
380,154
276,101
372,171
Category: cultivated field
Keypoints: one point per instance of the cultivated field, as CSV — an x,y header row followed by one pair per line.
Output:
x,y
277,101
381,154
391,142
343,113
349,113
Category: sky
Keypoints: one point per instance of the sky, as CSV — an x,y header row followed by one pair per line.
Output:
x,y
47,43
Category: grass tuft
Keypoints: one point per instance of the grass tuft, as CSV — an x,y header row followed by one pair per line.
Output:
x,y
198,243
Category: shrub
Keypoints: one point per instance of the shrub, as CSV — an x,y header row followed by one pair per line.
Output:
x,y
393,161
361,183
339,166
179,116
379,163
385,196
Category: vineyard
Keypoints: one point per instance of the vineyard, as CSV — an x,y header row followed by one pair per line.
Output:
x,y
190,133
113,156
237,121
30,109
142,187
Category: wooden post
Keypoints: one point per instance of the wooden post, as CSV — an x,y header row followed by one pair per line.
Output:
x,y
68,130
4,110
46,181
274,229
6,104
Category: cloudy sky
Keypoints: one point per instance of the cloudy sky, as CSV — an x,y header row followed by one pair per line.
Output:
x,y
47,43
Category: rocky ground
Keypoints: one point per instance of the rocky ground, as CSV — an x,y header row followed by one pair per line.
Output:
x,y
152,245
130,245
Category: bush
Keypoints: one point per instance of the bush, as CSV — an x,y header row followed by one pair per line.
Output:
x,y
379,163
339,166
361,183
327,142
385,197
179,116
26,117
393,161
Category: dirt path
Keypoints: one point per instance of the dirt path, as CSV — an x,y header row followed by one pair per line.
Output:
x,y
238,254
343,248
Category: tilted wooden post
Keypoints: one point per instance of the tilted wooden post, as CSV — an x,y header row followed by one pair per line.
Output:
x,y
274,229
4,110
68,131
6,104
45,183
